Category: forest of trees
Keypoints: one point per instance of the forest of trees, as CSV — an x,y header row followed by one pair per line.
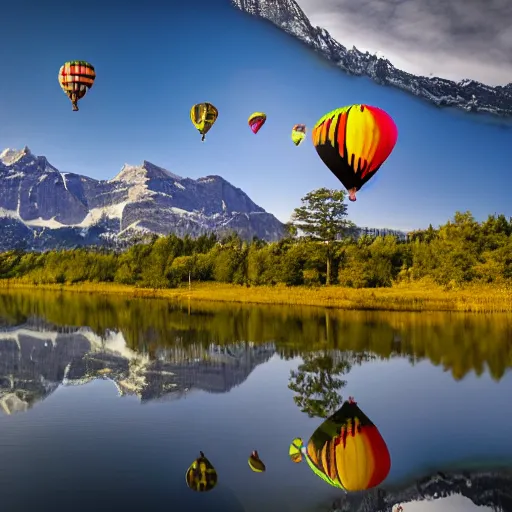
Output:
x,y
322,247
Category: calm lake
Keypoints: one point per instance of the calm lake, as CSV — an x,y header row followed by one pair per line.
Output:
x,y
106,401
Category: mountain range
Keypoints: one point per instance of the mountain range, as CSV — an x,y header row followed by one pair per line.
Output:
x,y
37,357
467,94
43,208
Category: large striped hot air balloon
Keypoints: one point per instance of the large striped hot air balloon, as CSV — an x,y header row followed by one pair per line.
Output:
x,y
353,142
76,77
346,451
203,117
256,121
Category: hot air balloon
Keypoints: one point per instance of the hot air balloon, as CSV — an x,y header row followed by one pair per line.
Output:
x,y
203,116
76,77
347,450
256,121
201,475
353,142
298,133
295,451
255,463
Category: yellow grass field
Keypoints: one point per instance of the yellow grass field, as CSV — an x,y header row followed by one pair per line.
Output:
x,y
410,297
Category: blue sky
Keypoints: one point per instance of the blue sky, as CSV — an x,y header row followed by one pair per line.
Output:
x,y
154,61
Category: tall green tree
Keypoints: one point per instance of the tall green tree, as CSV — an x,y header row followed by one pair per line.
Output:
x,y
323,218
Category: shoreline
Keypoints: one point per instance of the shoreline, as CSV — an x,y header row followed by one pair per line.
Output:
x,y
411,297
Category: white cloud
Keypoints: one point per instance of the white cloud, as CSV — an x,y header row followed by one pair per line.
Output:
x,y
452,39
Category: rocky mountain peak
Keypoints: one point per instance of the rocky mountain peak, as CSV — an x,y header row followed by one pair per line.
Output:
x,y
23,161
159,172
137,173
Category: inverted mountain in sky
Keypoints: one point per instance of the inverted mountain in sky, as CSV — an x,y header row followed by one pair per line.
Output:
x,y
469,95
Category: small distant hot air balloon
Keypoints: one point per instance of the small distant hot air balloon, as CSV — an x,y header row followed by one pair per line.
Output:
x,y
203,117
255,463
201,475
353,142
256,121
298,133
295,451
347,450
76,77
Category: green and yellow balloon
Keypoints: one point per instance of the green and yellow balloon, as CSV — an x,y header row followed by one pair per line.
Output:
x,y
298,133
201,476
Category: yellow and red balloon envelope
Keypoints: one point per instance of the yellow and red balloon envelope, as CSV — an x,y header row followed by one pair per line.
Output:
x,y
348,451
256,121
354,142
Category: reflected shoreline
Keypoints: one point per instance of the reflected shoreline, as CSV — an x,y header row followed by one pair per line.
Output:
x,y
483,299
460,343
53,338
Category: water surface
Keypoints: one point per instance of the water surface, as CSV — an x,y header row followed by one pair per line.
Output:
x,y
108,400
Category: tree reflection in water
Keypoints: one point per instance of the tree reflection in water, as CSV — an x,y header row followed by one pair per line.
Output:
x,y
317,382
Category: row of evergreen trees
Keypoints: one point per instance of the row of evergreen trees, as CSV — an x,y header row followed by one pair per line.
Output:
x,y
320,248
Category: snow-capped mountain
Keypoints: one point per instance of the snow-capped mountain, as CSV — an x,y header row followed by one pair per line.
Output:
x,y
42,208
469,95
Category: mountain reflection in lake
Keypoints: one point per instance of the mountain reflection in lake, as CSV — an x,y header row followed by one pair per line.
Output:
x,y
228,380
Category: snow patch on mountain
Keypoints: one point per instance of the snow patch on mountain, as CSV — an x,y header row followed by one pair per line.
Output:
x,y
9,214
137,178
180,211
44,223
134,226
63,174
10,156
114,211
14,174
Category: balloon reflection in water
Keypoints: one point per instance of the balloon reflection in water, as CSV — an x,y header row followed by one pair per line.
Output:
x,y
201,475
347,450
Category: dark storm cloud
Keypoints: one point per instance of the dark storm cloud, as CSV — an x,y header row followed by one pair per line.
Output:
x,y
451,38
